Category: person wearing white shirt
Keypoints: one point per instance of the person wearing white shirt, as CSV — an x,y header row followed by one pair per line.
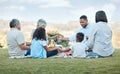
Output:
x,y
86,29
100,40
16,42
78,49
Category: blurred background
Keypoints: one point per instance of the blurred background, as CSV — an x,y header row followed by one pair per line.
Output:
x,y
61,15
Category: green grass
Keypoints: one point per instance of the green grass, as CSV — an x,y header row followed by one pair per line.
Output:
x,y
110,65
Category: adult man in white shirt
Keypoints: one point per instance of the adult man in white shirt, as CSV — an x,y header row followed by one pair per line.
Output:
x,y
15,40
86,29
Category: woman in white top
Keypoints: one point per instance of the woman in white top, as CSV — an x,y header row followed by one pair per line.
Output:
x,y
100,40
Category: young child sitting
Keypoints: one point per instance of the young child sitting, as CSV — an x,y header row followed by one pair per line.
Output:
x,y
78,49
39,47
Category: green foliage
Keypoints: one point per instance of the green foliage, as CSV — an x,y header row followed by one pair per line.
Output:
x,y
52,33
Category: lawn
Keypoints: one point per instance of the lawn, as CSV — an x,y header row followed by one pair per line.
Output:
x,y
110,65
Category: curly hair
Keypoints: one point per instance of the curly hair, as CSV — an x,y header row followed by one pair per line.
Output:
x,y
39,34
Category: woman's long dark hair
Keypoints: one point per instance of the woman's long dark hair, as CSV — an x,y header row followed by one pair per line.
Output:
x,y
101,16
39,34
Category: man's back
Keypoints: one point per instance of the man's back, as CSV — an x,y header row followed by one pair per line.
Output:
x,y
14,39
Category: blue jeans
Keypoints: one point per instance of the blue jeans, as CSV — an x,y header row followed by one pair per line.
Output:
x,y
52,53
49,54
28,52
92,55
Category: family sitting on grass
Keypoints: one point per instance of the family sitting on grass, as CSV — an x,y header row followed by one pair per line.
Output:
x,y
91,41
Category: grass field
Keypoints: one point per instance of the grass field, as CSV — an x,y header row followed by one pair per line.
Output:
x,y
110,65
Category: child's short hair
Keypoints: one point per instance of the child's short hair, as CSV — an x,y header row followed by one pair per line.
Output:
x,y
39,34
80,36
83,17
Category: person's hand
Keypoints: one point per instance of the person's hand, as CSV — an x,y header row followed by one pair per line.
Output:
x,y
59,49
54,37
59,37
28,43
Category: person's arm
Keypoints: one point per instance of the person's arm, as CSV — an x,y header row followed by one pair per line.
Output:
x,y
91,39
21,41
44,44
24,47
66,50
64,39
28,43
72,38
53,37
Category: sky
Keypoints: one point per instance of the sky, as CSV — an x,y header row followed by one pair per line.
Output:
x,y
58,11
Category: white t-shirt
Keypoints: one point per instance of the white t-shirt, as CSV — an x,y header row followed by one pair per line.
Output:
x,y
14,39
78,50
